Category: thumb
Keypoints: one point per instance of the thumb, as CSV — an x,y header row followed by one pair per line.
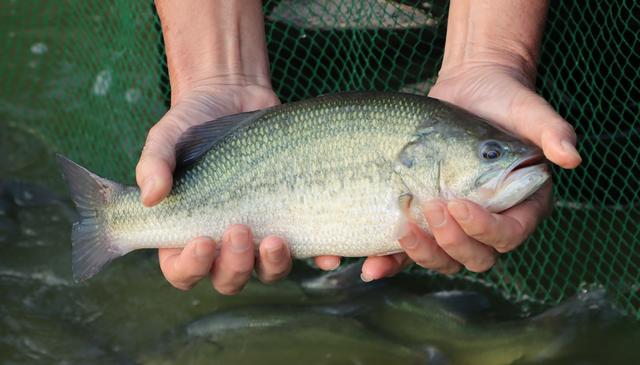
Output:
x,y
537,121
154,172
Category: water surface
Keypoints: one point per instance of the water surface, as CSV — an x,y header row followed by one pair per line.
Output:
x,y
130,314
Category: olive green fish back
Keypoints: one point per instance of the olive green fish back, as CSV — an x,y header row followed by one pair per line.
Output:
x,y
88,79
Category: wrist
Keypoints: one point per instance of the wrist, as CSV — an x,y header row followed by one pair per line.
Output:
x,y
211,42
508,59
506,33
215,80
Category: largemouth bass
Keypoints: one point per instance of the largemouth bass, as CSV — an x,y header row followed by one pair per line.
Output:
x,y
338,174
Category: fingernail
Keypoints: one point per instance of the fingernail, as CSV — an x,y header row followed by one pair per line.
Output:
x,y
204,250
410,242
569,148
459,210
434,214
240,240
275,251
335,265
365,278
147,188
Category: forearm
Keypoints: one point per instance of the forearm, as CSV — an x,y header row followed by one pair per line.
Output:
x,y
218,40
507,32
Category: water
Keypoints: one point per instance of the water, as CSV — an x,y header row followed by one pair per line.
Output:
x,y
129,314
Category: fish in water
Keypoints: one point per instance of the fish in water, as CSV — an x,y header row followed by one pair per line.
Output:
x,y
445,320
256,334
339,174
419,88
15,195
357,14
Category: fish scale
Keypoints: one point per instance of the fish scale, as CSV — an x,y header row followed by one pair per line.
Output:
x,y
334,193
326,174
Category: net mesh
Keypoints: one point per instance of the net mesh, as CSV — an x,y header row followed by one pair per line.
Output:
x,y
88,78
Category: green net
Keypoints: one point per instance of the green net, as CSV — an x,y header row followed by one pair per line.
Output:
x,y
88,78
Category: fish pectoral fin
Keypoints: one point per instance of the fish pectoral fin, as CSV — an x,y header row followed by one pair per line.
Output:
x,y
199,139
402,225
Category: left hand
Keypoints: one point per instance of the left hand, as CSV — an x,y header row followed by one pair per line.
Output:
x,y
463,232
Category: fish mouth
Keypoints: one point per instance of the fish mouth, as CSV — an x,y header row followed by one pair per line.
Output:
x,y
529,162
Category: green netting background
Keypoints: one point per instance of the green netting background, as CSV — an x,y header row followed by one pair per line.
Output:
x,y
88,79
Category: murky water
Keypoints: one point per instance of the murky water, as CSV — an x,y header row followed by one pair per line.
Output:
x,y
129,314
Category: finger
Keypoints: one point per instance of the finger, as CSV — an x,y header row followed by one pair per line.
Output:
x,y
183,268
423,249
234,266
274,262
327,262
536,120
154,172
378,267
474,255
505,231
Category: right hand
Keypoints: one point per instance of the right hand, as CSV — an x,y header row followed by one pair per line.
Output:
x,y
184,267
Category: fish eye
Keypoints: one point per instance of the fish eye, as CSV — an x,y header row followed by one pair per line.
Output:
x,y
491,150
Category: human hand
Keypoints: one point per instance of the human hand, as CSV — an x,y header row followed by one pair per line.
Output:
x,y
183,268
463,233
488,68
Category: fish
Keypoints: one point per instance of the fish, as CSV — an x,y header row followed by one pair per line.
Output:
x,y
340,174
30,338
343,281
358,14
17,195
423,319
257,333
419,88
447,321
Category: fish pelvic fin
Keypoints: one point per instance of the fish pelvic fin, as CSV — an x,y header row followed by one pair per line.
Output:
x,y
92,246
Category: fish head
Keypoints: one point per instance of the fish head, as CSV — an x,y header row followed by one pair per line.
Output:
x,y
459,155
508,171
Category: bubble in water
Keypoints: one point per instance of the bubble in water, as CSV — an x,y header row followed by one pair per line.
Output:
x,y
132,95
12,34
103,83
39,48
33,64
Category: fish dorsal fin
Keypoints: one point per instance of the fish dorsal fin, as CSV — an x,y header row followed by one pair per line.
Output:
x,y
199,139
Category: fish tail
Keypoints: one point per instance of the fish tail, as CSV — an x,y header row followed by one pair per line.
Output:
x,y
92,246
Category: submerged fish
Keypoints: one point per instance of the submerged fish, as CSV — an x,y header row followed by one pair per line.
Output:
x,y
357,14
345,280
338,174
444,321
256,334
420,88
